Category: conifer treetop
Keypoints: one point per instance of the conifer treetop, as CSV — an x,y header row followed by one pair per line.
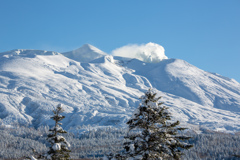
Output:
x,y
59,146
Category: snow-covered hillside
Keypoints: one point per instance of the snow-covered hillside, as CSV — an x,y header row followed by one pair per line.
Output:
x,y
97,89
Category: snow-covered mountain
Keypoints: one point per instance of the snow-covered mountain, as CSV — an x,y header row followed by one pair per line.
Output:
x,y
100,90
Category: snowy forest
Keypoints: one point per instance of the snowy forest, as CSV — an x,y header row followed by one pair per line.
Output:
x,y
150,135
16,143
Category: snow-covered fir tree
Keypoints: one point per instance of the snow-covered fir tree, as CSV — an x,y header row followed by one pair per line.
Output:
x,y
152,135
59,146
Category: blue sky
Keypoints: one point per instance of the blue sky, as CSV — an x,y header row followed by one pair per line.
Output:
x,y
204,33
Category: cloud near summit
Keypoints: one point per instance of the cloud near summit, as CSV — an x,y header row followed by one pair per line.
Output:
x,y
150,52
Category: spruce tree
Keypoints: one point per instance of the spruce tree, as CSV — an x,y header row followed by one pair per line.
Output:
x,y
58,145
152,135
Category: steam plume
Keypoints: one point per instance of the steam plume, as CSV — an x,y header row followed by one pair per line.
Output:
x,y
150,52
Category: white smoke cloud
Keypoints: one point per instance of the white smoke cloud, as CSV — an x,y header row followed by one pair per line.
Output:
x,y
150,52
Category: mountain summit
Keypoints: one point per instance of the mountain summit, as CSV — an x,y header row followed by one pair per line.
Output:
x,y
86,53
105,90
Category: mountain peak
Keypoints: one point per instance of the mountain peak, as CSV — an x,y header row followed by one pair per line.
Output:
x,y
86,53
92,48
89,46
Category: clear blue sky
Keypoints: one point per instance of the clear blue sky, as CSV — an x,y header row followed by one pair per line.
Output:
x,y
205,33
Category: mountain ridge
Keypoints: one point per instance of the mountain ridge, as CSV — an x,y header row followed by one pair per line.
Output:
x,y
105,91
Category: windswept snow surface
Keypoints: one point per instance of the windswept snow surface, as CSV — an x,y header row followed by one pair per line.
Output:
x,y
106,91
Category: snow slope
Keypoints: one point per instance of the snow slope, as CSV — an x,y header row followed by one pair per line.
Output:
x,y
102,90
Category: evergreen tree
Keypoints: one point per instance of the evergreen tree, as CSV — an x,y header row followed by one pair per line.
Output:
x,y
59,146
151,133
